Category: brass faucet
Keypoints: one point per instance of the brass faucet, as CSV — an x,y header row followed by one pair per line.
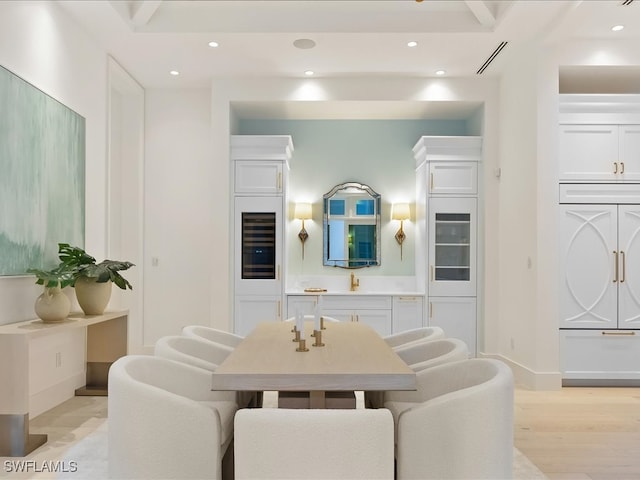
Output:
x,y
355,282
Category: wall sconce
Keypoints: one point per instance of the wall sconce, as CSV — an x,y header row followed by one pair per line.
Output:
x,y
402,212
302,212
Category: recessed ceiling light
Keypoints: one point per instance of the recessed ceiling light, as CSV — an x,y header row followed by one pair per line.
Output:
x,y
214,44
440,72
309,73
617,28
175,73
412,44
304,43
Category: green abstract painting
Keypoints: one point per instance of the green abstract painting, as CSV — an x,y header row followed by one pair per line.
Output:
x,y
42,172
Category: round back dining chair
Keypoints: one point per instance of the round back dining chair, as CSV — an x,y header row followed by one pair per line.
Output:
x,y
415,335
421,355
213,335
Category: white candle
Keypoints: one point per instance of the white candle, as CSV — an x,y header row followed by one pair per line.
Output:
x,y
316,319
300,324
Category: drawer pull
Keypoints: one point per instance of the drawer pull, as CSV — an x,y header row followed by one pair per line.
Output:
x,y
615,261
615,167
624,266
621,167
625,334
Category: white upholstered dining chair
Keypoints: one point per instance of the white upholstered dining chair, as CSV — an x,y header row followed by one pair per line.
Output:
x,y
194,351
200,353
421,355
458,424
164,421
416,335
212,334
313,444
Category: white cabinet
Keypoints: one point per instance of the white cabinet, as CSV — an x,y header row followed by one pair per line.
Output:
x,y
453,178
259,177
456,316
593,153
408,313
609,355
374,310
452,246
305,304
599,287
260,165
447,220
253,309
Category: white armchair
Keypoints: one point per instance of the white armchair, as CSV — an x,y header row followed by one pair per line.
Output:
x,y
313,444
458,424
164,421
213,335
194,351
416,335
423,355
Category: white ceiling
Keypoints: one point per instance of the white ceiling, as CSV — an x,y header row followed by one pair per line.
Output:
x,y
353,37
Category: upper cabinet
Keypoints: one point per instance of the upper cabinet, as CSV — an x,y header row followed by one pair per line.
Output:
x,y
599,153
260,163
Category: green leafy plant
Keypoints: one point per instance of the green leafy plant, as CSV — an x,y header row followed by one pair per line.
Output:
x,y
60,276
81,264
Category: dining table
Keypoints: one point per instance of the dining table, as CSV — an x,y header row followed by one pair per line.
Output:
x,y
352,356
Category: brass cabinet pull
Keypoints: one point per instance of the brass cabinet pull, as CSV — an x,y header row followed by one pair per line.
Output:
x,y
431,181
619,333
430,309
615,167
431,270
278,310
621,167
615,278
624,267
278,272
279,180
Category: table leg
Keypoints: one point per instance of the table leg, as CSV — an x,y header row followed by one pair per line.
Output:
x,y
316,399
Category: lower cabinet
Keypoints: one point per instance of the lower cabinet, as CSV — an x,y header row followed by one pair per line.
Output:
x,y
374,310
385,313
457,317
590,357
408,313
253,309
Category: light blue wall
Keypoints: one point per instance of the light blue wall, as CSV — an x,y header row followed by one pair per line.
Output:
x,y
375,152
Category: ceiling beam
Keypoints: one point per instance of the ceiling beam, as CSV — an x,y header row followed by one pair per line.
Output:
x,y
142,11
481,12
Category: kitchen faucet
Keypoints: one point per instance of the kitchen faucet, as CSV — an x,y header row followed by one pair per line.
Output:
x,y
355,282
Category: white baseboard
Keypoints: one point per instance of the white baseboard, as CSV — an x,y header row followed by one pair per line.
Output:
x,y
50,397
530,379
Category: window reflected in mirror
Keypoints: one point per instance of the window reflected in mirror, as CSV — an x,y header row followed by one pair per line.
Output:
x,y
351,226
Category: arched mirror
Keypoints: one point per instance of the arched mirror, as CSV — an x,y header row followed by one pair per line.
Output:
x,y
351,226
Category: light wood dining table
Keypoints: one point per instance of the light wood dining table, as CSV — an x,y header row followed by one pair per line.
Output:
x,y
354,357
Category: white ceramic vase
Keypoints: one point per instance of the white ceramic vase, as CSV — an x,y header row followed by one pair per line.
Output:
x,y
52,305
93,297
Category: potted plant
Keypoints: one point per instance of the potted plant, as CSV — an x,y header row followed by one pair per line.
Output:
x,y
53,305
91,280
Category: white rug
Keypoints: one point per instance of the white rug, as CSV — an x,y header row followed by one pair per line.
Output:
x,y
90,455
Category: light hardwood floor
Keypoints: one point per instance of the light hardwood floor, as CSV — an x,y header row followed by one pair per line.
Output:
x,y
580,433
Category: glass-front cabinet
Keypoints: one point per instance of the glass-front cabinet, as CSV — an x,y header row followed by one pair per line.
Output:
x,y
452,232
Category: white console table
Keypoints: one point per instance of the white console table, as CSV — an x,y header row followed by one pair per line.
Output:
x,y
106,342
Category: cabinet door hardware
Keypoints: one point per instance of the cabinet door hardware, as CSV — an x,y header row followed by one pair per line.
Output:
x,y
278,310
620,334
431,272
615,167
279,180
431,181
430,309
278,272
615,277
624,266
621,167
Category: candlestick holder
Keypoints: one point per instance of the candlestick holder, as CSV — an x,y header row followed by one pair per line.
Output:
x,y
318,338
295,327
302,346
322,327
297,336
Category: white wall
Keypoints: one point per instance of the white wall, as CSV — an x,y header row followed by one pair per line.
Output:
x,y
41,44
182,216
